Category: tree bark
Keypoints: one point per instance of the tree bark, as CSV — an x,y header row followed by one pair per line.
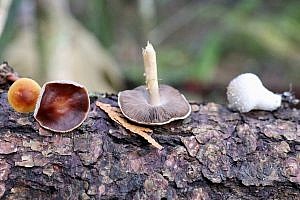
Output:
x,y
213,154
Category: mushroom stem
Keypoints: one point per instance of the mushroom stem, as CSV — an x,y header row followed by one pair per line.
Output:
x,y
151,74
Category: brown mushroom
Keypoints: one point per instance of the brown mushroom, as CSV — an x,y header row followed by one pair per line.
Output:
x,y
153,104
23,95
62,106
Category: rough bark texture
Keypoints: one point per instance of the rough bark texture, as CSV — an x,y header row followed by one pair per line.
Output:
x,y
213,154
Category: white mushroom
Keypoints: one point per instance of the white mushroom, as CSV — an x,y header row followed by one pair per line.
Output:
x,y
246,92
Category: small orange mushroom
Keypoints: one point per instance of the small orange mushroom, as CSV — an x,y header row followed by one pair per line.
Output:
x,y
23,95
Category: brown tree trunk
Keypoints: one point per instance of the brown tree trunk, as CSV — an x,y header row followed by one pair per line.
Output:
x,y
213,154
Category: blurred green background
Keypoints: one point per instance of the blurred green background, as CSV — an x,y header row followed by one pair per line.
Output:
x,y
201,45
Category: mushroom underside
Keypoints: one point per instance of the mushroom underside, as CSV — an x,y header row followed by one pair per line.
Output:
x,y
62,107
135,105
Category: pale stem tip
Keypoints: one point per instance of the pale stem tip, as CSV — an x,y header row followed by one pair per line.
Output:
x,y
148,49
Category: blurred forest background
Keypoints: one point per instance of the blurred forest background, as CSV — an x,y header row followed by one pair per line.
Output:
x,y
201,44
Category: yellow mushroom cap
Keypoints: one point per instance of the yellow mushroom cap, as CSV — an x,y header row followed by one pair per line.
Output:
x,y
23,94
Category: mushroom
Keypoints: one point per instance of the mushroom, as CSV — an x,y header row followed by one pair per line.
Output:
x,y
62,106
153,104
246,92
23,94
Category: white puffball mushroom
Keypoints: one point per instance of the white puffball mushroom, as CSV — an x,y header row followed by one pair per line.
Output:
x,y
246,92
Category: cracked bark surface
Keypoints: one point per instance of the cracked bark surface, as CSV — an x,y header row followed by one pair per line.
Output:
x,y
213,154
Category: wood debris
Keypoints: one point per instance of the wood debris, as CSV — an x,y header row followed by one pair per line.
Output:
x,y
115,114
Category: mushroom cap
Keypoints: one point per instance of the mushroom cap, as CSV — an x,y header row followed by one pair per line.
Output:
x,y
23,95
135,105
62,106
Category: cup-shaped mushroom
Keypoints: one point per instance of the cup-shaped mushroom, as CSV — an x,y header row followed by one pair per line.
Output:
x,y
135,105
23,95
62,106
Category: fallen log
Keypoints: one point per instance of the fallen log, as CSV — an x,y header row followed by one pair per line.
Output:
x,y
213,154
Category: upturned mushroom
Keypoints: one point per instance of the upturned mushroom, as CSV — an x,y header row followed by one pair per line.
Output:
x,y
246,92
62,106
153,104
23,95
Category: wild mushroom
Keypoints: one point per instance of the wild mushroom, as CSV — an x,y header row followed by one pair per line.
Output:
x,y
153,104
246,92
62,106
23,94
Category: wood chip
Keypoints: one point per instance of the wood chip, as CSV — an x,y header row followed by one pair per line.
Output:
x,y
116,115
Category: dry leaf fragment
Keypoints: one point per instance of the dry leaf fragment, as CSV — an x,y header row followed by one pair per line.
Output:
x,y
116,115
